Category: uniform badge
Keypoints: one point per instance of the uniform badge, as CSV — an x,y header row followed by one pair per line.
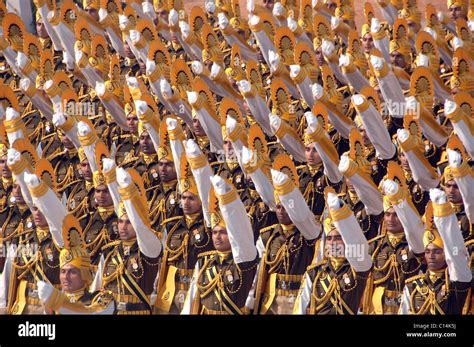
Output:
x,y
12,199
181,298
134,264
154,174
172,200
49,254
197,236
73,204
443,290
347,279
29,224
228,275
238,179
404,255
126,250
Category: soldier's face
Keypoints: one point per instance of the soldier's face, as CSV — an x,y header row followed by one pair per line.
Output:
x,y
190,203
457,12
229,150
282,216
268,4
220,239
367,43
404,161
434,257
365,138
166,171
38,218
391,222
197,128
70,278
128,50
41,30
319,56
397,59
16,191
312,156
6,173
146,145
67,143
125,228
93,13
102,196
452,192
334,246
86,170
132,122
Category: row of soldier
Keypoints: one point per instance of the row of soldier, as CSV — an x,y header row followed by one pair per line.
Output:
x,y
276,165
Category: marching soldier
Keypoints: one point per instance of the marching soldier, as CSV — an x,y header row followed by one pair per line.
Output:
x,y
223,278
444,286
336,284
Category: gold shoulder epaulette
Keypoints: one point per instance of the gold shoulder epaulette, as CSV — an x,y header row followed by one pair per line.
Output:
x,y
376,238
111,244
315,265
205,254
171,219
414,278
264,230
300,167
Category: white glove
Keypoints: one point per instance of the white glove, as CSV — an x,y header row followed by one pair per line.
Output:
x,y
244,86
13,156
278,9
196,67
449,106
334,203
173,17
148,9
123,22
45,290
100,89
246,155
215,70
59,119
275,121
102,14
150,66
32,180
390,187
294,70
219,184
358,99
108,164
192,97
230,124
422,60
375,25
254,20
185,29
11,113
134,36
123,177
344,60
83,128
317,91
403,135
344,163
132,82
192,149
25,84
210,7
141,107
292,24
457,43
454,158
274,58
278,177
431,32
21,60
165,88
335,21
171,123
438,196
328,48
223,21
377,62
